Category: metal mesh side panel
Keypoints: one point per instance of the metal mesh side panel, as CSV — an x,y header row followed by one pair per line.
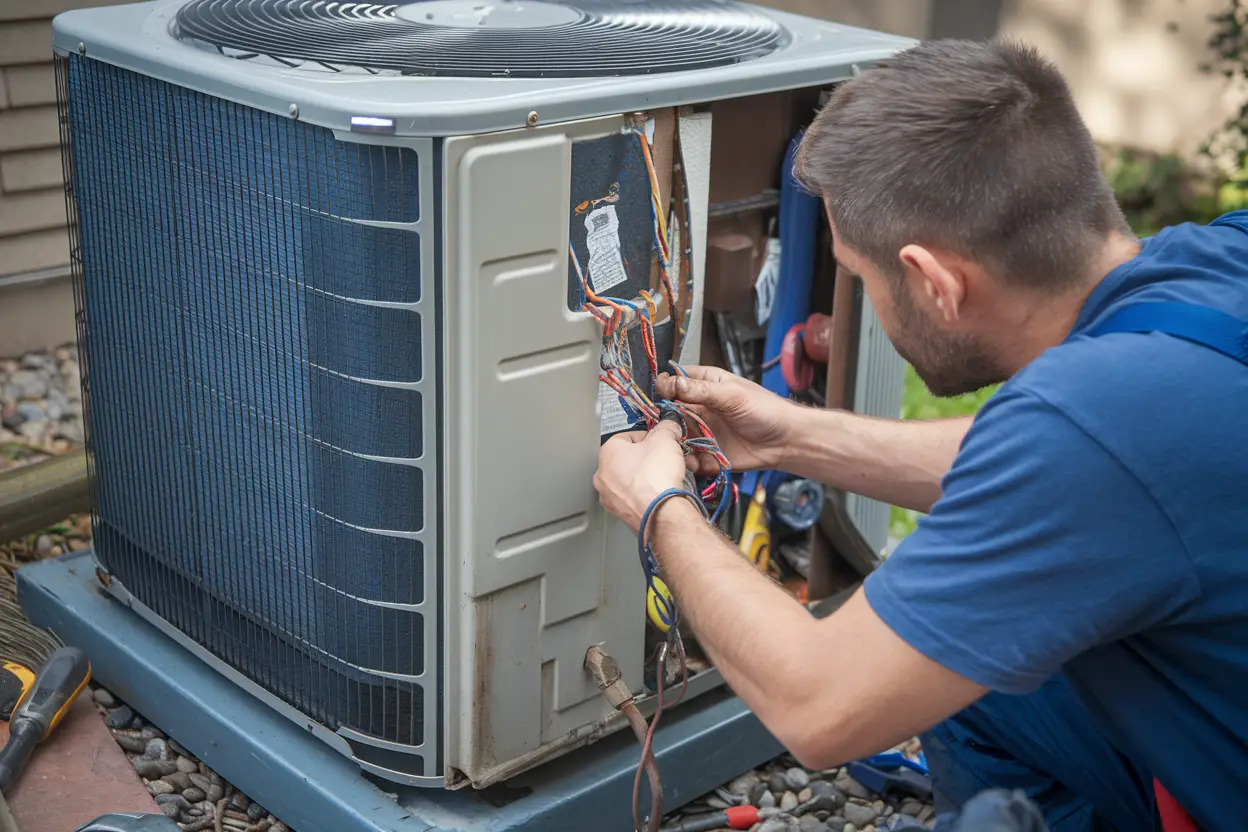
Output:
x,y
252,422
878,388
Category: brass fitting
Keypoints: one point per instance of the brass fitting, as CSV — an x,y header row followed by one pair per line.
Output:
x,y
605,671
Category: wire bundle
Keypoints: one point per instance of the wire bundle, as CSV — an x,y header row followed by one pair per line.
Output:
x,y
619,317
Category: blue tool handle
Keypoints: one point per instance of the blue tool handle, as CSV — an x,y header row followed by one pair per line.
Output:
x,y
900,780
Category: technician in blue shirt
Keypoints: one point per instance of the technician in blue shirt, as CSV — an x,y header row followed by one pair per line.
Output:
x,y
1071,618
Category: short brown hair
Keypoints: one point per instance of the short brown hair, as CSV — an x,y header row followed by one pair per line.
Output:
x,y
972,147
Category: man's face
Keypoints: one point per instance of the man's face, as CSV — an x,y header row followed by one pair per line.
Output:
x,y
948,358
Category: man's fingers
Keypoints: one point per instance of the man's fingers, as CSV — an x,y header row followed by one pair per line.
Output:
x,y
666,429
669,385
711,394
704,373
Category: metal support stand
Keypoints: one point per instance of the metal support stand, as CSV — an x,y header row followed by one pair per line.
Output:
x,y
699,746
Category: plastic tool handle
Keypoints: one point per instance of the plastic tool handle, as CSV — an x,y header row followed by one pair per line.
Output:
x,y
57,684
15,681
737,817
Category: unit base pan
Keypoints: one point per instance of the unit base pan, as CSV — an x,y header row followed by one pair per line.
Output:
x,y
314,789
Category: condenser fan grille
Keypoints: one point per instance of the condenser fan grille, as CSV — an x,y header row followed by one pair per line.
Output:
x,y
487,38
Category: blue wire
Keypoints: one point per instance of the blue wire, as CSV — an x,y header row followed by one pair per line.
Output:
x,y
645,553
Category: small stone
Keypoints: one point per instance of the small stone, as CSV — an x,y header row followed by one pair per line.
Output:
x,y
159,787
780,824
200,781
805,795
177,748
879,805
120,717
255,811
849,827
767,801
194,795
215,793
10,416
179,781
195,812
103,698
169,810
37,361
835,825
153,769
173,800
860,816
240,801
925,814
797,778
215,778
868,828
152,732
28,385
852,787
744,784
156,749
235,823
811,824
187,766
788,802
130,741
717,802
776,783
279,827
911,807
824,797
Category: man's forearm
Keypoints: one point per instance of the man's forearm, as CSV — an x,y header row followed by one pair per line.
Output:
x,y
743,619
789,667
891,460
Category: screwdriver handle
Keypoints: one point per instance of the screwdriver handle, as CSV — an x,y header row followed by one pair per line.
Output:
x,y
57,684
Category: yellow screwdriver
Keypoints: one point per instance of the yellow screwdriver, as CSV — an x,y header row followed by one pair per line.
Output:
x,y
56,685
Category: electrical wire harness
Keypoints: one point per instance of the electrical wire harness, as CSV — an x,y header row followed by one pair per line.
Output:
x,y
619,317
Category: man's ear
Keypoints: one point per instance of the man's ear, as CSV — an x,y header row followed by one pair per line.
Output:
x,y
934,278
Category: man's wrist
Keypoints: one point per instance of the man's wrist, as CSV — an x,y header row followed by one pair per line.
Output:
x,y
673,513
805,440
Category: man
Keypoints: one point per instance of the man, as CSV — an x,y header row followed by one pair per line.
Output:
x,y
1072,616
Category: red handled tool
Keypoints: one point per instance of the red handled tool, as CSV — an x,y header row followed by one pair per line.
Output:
x,y
738,817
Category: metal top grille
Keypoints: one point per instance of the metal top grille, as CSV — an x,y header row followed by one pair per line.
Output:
x,y
471,38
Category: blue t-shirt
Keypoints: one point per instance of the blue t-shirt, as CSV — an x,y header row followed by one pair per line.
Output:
x,y
1095,522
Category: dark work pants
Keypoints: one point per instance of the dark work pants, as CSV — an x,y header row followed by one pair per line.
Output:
x,y
1046,745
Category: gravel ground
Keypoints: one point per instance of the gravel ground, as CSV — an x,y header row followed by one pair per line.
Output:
x,y
40,404
812,801
41,415
184,788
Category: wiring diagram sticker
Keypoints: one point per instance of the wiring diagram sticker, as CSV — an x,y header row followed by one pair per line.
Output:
x,y
602,239
615,416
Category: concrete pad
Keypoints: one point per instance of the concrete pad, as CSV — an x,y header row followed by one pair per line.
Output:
x,y
75,776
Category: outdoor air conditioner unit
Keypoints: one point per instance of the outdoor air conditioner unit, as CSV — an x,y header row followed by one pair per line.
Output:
x,y
342,413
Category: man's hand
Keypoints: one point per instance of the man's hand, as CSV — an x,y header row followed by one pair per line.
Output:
x,y
635,467
752,425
